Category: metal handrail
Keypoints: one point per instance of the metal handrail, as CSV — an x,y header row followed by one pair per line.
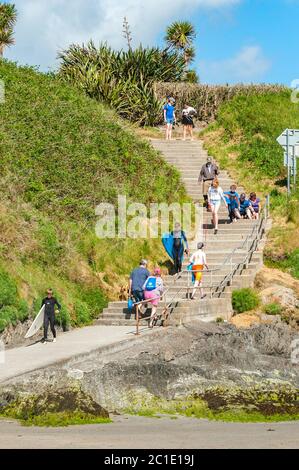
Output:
x,y
258,227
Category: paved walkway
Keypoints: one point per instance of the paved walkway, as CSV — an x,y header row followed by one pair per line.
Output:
x,y
80,341
151,433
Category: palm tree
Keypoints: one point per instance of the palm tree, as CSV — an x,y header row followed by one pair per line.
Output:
x,y
189,55
180,35
8,18
191,77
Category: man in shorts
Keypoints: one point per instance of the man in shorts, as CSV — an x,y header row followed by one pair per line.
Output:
x,y
169,117
137,279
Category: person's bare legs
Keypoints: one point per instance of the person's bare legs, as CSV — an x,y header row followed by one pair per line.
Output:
x,y
237,214
167,131
191,132
185,133
215,216
153,315
249,214
201,291
198,284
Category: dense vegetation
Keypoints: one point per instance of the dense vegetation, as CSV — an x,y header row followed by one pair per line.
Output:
x,y
243,138
123,80
61,154
208,99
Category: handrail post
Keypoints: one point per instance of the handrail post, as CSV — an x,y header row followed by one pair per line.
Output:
x,y
137,320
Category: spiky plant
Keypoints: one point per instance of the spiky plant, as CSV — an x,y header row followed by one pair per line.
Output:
x,y
8,18
189,55
191,77
124,80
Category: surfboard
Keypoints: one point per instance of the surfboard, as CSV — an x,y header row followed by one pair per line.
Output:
x,y
37,323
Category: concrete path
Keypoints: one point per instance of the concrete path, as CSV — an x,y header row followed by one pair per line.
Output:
x,y
150,433
80,341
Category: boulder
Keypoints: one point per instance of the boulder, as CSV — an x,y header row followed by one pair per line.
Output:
x,y
285,296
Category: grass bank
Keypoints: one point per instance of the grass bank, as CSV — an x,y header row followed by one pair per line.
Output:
x,y
243,140
62,154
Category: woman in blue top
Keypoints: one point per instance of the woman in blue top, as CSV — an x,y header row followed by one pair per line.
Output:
x,y
246,209
169,117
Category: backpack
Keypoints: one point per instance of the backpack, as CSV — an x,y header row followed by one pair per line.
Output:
x,y
151,284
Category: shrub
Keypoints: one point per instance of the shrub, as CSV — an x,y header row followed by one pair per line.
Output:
x,y
95,299
244,300
23,310
9,314
51,248
8,289
63,318
273,309
83,315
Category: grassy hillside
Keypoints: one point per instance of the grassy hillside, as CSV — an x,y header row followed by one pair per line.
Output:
x,y
243,139
61,154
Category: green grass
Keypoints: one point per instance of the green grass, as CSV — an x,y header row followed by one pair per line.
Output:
x,y
273,309
223,404
58,419
61,155
71,153
288,263
63,420
198,409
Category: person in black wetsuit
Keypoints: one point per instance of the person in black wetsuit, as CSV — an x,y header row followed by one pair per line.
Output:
x,y
180,244
49,302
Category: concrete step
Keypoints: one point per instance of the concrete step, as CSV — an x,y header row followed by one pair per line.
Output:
x,y
188,158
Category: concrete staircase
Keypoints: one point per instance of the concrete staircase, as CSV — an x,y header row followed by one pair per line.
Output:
x,y
189,157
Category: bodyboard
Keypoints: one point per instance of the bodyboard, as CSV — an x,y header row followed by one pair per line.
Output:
x,y
167,241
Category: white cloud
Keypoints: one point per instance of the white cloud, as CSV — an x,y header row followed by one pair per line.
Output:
x,y
250,64
45,26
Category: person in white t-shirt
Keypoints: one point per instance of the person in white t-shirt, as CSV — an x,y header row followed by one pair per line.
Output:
x,y
215,197
198,261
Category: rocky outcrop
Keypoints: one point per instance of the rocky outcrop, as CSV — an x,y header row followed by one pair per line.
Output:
x,y
175,364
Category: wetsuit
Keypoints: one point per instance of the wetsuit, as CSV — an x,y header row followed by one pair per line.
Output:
x,y
179,239
49,303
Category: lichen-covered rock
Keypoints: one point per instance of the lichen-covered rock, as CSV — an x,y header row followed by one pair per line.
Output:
x,y
23,406
173,365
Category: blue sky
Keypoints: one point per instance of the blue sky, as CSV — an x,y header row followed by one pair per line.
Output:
x,y
238,40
